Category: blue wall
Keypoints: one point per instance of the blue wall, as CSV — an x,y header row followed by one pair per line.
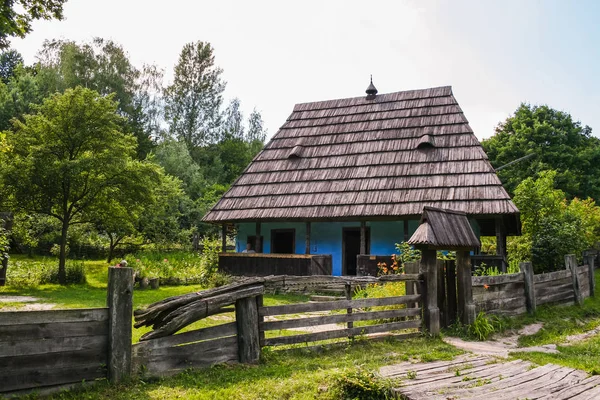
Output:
x,y
326,237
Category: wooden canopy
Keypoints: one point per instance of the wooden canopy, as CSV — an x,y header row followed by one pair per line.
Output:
x,y
444,229
377,157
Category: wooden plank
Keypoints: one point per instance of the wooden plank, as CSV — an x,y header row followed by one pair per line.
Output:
x,y
451,298
52,330
562,297
500,294
20,363
527,270
504,287
53,316
55,345
120,308
313,337
548,290
554,284
246,316
501,304
51,376
551,276
497,280
337,319
337,305
167,361
223,330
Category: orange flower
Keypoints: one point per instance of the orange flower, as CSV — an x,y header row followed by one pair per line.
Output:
x,y
486,286
385,270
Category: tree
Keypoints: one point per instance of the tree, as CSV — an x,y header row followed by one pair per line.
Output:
x,y
193,100
69,158
557,142
9,61
16,16
552,226
104,66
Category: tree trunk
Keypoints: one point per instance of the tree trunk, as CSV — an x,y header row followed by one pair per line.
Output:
x,y
111,248
62,272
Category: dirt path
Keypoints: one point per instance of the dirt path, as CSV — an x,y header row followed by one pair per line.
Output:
x,y
30,303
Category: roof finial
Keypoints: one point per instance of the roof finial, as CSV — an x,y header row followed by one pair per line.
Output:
x,y
371,90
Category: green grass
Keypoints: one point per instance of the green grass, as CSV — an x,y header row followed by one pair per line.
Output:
x,y
293,374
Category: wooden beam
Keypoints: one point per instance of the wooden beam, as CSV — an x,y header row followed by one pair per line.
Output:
x,y
363,237
246,317
120,310
224,238
466,308
307,247
571,262
406,237
530,302
431,310
258,242
501,241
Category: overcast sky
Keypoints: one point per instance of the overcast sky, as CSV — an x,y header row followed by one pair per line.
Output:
x,y
275,54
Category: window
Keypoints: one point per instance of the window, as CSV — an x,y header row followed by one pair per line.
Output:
x,y
283,241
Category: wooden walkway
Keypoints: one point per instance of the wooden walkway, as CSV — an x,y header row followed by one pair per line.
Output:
x,y
489,378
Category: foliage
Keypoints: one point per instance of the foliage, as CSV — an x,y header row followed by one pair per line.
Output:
x,y
4,244
193,100
407,253
557,142
552,226
488,244
361,384
31,273
484,270
70,157
481,329
16,16
9,61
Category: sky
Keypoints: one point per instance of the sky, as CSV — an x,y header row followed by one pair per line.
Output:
x,y
494,54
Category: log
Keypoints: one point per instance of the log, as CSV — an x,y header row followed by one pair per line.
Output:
x,y
197,310
120,307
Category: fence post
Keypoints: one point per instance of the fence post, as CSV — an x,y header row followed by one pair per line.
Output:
x,y
466,308
590,260
432,312
571,263
246,317
527,270
441,293
451,291
120,310
348,293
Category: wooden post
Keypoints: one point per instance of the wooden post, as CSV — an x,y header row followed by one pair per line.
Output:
x,y
410,286
246,317
363,237
406,237
348,293
527,270
501,241
466,308
224,238
120,311
261,319
432,312
6,221
307,247
258,242
441,292
571,263
590,260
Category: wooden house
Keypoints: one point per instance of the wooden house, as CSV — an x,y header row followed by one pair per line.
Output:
x,y
351,176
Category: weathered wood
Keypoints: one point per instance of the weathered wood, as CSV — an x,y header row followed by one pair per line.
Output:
x,y
20,363
348,293
224,238
527,270
590,261
466,308
199,309
52,330
431,311
337,305
551,276
566,288
571,263
261,319
498,279
484,294
363,237
338,319
56,345
212,332
561,297
501,240
363,330
451,305
120,309
246,316
51,376
170,360
54,316
441,292
502,304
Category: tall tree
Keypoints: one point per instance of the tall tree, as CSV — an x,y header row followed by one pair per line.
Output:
x,y
233,121
9,61
193,100
104,66
557,142
69,158
16,16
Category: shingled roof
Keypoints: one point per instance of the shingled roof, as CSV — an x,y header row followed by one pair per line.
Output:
x,y
361,159
444,230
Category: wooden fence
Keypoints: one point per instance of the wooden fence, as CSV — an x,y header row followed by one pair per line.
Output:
x,y
517,293
48,350
264,264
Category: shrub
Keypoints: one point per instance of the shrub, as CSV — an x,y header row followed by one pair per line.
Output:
x,y
74,270
361,384
37,272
